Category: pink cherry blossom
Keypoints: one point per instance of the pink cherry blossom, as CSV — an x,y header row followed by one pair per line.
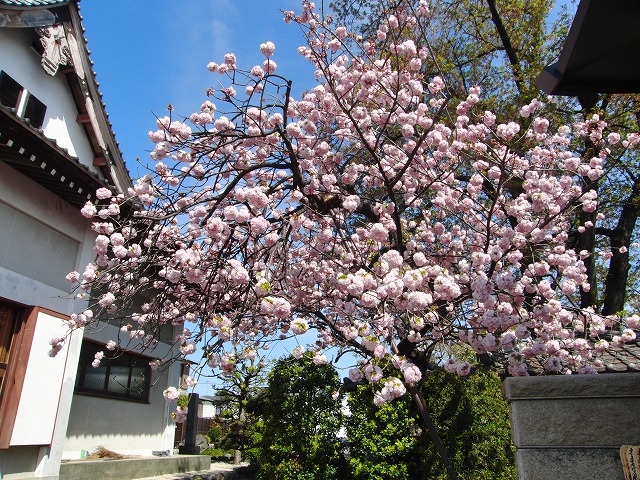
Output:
x,y
267,48
371,210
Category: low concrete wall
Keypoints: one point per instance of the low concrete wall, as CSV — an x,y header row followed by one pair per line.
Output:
x,y
572,427
128,468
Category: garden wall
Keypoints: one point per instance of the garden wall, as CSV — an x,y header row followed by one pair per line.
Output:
x,y
572,427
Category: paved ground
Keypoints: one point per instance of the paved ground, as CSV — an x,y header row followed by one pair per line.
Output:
x,y
218,471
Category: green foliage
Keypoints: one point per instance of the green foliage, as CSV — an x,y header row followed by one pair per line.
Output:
x,y
253,437
238,390
471,418
217,453
300,420
183,401
215,432
381,440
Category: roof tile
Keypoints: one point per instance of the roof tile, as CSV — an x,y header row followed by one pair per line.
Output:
x,y
32,3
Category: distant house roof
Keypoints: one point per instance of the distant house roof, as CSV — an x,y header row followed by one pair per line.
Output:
x,y
599,54
621,359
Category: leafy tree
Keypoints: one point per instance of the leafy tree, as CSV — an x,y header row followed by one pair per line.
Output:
x,y
470,414
473,419
499,45
240,385
301,417
382,442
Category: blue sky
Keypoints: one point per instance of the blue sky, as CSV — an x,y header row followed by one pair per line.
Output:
x,y
149,54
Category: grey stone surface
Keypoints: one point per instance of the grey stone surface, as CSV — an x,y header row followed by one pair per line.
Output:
x,y
217,471
572,386
605,421
573,464
129,468
572,427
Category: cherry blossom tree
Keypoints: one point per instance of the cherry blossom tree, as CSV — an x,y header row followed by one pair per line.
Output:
x,y
398,224
503,47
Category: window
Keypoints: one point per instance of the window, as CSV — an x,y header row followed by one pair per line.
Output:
x,y
27,106
10,91
34,110
126,376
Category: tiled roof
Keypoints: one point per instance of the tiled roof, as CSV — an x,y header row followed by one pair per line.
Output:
x,y
624,358
32,3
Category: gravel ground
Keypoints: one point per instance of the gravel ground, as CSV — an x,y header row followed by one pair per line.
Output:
x,y
218,470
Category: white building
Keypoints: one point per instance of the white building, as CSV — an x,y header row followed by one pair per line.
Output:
x,y
56,149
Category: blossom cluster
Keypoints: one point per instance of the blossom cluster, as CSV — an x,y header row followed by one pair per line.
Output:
x,y
375,210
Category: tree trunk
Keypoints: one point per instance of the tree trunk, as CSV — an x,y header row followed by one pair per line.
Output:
x,y
427,423
617,276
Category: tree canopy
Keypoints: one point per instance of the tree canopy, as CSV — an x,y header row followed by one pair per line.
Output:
x,y
301,416
395,215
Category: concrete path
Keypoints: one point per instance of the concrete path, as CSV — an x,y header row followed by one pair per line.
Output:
x,y
218,471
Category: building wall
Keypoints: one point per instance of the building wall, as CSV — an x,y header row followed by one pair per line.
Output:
x,y
20,462
208,410
39,230
22,63
123,426
35,230
42,238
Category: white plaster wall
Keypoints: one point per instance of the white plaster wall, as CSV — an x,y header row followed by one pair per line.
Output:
x,y
22,63
126,427
46,208
208,410
42,387
19,463
103,332
47,392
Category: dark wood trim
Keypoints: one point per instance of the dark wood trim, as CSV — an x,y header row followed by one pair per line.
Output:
x,y
14,379
83,118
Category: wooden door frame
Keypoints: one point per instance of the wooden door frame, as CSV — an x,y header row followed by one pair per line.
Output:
x,y
24,329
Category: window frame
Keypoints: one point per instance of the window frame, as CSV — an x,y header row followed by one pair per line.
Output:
x,y
25,103
11,86
122,358
34,110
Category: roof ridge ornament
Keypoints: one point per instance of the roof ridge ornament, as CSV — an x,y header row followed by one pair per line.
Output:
x,y
56,48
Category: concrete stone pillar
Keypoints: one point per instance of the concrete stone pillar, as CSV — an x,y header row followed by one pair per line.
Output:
x,y
572,427
190,428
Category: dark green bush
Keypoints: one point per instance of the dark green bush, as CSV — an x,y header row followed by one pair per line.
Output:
x,y
217,453
300,420
470,415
